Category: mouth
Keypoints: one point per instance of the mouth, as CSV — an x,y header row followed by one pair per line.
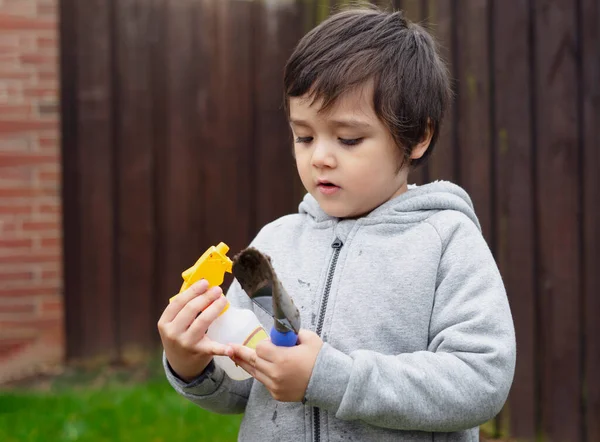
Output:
x,y
327,187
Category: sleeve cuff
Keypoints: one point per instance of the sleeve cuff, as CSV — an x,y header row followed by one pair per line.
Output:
x,y
329,379
205,384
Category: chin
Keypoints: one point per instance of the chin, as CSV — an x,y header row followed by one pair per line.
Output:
x,y
331,208
336,211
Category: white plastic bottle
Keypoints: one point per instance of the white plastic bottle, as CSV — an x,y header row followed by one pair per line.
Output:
x,y
236,326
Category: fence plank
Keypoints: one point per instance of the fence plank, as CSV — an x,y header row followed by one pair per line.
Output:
x,y
515,202
558,191
95,169
442,163
164,282
70,181
135,27
473,107
414,11
179,168
278,29
229,180
590,38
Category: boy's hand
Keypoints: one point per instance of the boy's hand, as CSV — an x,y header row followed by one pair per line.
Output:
x,y
285,371
183,326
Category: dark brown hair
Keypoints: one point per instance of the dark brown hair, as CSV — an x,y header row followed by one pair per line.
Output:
x,y
411,82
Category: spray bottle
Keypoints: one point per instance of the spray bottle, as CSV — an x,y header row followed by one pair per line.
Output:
x,y
234,325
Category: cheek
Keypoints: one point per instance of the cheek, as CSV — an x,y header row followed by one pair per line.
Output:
x,y
302,163
375,174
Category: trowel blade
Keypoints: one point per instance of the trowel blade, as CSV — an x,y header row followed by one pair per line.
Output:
x,y
263,298
255,274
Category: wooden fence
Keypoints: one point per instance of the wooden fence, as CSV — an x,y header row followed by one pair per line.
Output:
x,y
174,139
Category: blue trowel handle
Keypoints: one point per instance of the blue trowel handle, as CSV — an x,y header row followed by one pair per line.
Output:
x,y
280,339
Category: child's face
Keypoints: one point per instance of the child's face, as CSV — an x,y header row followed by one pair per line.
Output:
x,y
346,157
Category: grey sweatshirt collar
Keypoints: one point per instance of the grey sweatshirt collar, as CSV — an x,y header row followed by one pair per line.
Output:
x,y
416,204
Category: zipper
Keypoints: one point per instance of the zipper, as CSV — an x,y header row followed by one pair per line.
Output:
x,y
337,247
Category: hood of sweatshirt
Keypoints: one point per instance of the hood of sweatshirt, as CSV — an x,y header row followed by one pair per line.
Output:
x,y
416,204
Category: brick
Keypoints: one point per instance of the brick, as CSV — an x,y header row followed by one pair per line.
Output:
x,y
9,226
10,347
46,9
41,226
27,42
20,243
50,275
48,109
48,142
31,258
9,47
6,74
19,8
17,175
33,324
47,42
15,110
55,305
41,92
38,59
24,192
9,60
22,143
50,242
10,92
20,308
9,39
50,209
16,126
49,178
15,159
17,331
15,210
12,22
20,292
51,77
15,276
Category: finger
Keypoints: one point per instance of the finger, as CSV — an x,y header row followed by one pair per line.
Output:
x,y
188,314
249,356
255,372
210,347
245,354
306,336
205,316
268,351
181,300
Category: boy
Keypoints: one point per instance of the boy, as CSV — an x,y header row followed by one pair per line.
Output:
x,y
408,333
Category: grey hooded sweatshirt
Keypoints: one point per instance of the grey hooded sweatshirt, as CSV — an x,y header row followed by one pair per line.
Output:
x,y
418,336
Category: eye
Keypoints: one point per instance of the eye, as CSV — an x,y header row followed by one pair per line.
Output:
x,y
304,139
350,142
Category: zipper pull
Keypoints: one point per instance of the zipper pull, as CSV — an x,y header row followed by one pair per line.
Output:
x,y
337,244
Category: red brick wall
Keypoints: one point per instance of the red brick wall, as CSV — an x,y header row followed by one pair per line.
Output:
x,y
31,306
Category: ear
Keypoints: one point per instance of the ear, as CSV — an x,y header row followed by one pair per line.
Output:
x,y
421,147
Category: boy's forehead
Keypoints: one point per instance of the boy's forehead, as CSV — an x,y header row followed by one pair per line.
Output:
x,y
356,104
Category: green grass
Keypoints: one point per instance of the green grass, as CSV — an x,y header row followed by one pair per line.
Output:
x,y
112,404
108,405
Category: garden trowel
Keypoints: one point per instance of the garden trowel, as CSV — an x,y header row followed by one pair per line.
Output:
x,y
255,274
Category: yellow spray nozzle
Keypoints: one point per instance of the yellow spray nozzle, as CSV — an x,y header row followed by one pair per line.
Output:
x,y
211,266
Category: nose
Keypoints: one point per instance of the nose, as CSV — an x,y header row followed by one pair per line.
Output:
x,y
323,155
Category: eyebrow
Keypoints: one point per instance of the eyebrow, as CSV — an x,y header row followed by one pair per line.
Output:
x,y
352,124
